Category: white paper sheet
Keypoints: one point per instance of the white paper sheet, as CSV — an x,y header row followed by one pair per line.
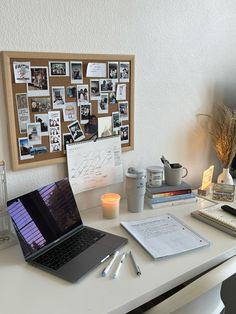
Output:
x,y
94,164
96,70
164,235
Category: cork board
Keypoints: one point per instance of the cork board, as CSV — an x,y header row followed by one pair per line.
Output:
x,y
58,98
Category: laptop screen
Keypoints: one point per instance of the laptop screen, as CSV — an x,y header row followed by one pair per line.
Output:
x,y
44,215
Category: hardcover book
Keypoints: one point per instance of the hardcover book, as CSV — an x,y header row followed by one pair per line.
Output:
x,y
169,198
173,203
165,194
169,188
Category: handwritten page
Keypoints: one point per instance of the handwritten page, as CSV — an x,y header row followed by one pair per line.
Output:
x,y
164,235
94,164
96,70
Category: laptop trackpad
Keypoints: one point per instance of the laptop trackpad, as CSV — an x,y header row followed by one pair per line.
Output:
x,y
86,260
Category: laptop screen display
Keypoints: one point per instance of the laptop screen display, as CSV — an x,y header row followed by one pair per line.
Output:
x,y
44,215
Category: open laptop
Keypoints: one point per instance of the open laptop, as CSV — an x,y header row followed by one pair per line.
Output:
x,y
52,235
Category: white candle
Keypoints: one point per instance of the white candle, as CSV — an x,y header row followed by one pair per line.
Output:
x,y
110,205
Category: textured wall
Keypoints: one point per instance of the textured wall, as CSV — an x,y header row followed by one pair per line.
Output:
x,y
185,59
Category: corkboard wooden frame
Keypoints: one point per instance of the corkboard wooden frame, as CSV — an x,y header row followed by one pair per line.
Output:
x,y
42,58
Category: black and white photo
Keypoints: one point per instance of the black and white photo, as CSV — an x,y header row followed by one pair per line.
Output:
x,y
76,72
58,68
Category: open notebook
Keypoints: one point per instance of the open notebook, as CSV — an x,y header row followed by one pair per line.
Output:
x,y
218,218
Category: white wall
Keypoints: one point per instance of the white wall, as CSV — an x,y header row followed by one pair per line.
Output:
x,y
185,59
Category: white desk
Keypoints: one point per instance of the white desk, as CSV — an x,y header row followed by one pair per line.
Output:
x,y
26,290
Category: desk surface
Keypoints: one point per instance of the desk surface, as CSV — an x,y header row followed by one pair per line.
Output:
x,y
27,290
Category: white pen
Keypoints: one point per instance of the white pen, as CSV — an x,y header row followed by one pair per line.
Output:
x,y
116,273
108,267
137,269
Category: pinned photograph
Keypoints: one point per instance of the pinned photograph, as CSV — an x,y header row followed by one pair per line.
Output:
x,y
43,120
107,85
58,97
71,91
113,71
103,103
24,148
38,150
22,72
54,119
123,108
82,94
95,89
104,126
55,147
67,139
40,104
124,72
116,121
39,85
54,131
91,128
85,112
76,131
58,68
124,134
34,133
22,111
76,70
70,111
112,98
121,92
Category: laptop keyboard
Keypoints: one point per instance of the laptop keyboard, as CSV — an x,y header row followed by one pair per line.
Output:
x,y
69,248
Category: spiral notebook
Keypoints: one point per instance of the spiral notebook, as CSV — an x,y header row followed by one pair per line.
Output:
x,y
216,217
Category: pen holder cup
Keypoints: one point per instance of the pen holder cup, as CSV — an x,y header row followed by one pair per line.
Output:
x,y
174,176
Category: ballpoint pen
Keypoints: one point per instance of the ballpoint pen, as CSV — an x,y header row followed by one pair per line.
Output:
x,y
137,269
108,267
116,273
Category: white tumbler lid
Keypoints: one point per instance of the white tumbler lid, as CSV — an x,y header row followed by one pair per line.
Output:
x,y
136,173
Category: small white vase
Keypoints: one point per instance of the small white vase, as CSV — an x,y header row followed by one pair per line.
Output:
x,y
225,177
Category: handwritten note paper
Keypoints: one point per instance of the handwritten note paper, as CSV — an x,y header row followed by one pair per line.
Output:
x,y
207,177
94,164
96,70
164,235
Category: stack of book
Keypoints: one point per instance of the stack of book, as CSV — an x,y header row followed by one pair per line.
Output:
x,y
168,195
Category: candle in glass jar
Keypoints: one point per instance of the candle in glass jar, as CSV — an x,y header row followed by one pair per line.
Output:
x,y
110,205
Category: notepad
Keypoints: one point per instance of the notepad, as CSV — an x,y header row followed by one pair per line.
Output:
x,y
164,235
219,216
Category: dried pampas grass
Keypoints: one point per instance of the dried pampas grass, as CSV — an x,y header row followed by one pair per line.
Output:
x,y
223,133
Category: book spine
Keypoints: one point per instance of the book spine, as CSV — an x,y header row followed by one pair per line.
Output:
x,y
173,203
165,194
169,198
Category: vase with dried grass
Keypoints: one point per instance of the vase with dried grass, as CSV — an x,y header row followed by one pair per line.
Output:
x,y
223,135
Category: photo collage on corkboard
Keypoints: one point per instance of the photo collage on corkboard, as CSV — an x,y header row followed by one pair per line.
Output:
x,y
56,101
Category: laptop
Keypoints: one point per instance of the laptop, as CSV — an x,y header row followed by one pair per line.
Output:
x,y
52,235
